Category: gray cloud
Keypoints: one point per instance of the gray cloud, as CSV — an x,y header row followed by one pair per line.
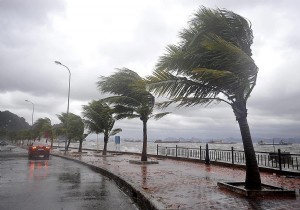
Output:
x,y
96,38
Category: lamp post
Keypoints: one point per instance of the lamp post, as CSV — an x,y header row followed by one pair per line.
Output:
x,y
32,113
59,63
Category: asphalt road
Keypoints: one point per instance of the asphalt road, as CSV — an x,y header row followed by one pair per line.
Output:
x,y
55,184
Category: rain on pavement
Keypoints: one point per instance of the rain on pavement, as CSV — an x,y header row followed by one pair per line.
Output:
x,y
55,184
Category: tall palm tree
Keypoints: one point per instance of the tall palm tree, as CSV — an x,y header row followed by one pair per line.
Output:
x,y
212,63
99,119
131,99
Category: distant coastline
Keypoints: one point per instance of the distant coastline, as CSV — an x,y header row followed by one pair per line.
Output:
x,y
281,142
176,141
193,141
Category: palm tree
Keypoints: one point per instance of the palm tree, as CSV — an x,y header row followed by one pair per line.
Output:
x,y
130,100
212,63
43,127
72,126
100,120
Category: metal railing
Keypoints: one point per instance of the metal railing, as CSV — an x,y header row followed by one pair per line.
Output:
x,y
277,160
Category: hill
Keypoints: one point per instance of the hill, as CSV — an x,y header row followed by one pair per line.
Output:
x,y
12,122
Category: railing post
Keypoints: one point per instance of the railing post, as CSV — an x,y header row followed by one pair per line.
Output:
x,y
279,160
176,151
157,149
200,155
207,155
232,157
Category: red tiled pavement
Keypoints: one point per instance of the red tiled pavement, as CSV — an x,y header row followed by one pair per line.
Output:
x,y
186,185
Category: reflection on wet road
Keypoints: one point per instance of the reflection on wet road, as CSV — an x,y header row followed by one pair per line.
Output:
x,y
56,184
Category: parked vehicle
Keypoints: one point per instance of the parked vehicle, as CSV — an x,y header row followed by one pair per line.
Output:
x,y
39,149
4,146
3,143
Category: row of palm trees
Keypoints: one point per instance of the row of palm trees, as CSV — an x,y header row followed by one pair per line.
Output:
x,y
42,128
211,63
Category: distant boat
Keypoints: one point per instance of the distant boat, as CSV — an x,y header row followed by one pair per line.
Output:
x,y
220,142
281,142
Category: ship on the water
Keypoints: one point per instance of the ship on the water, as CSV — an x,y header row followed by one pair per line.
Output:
x,y
281,142
220,142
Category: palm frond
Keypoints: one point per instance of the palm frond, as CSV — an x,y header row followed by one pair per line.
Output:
x,y
160,115
165,83
172,59
227,24
115,131
164,104
122,99
188,102
98,116
229,57
119,82
126,115
212,58
131,99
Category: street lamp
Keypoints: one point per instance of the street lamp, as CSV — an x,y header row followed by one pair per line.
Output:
x,y
32,112
59,63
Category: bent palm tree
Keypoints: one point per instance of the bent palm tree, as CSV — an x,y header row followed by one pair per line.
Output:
x,y
130,100
99,119
212,63
72,127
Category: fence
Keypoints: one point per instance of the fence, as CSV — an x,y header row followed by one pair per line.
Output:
x,y
278,160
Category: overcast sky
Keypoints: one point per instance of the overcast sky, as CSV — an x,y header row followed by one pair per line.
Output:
x,y
94,37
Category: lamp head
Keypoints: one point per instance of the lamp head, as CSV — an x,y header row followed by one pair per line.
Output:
x,y
57,62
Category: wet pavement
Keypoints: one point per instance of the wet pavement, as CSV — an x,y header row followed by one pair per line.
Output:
x,y
55,184
185,185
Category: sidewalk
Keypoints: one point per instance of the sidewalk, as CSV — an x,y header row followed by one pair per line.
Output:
x,y
186,185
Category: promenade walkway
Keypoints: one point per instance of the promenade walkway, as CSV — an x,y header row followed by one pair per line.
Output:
x,y
173,184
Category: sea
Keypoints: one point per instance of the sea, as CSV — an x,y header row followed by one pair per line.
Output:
x,y
136,146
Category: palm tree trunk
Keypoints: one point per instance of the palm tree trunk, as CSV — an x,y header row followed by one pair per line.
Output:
x,y
51,142
68,144
252,180
144,151
80,145
105,144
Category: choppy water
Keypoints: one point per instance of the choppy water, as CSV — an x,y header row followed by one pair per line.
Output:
x,y
151,149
